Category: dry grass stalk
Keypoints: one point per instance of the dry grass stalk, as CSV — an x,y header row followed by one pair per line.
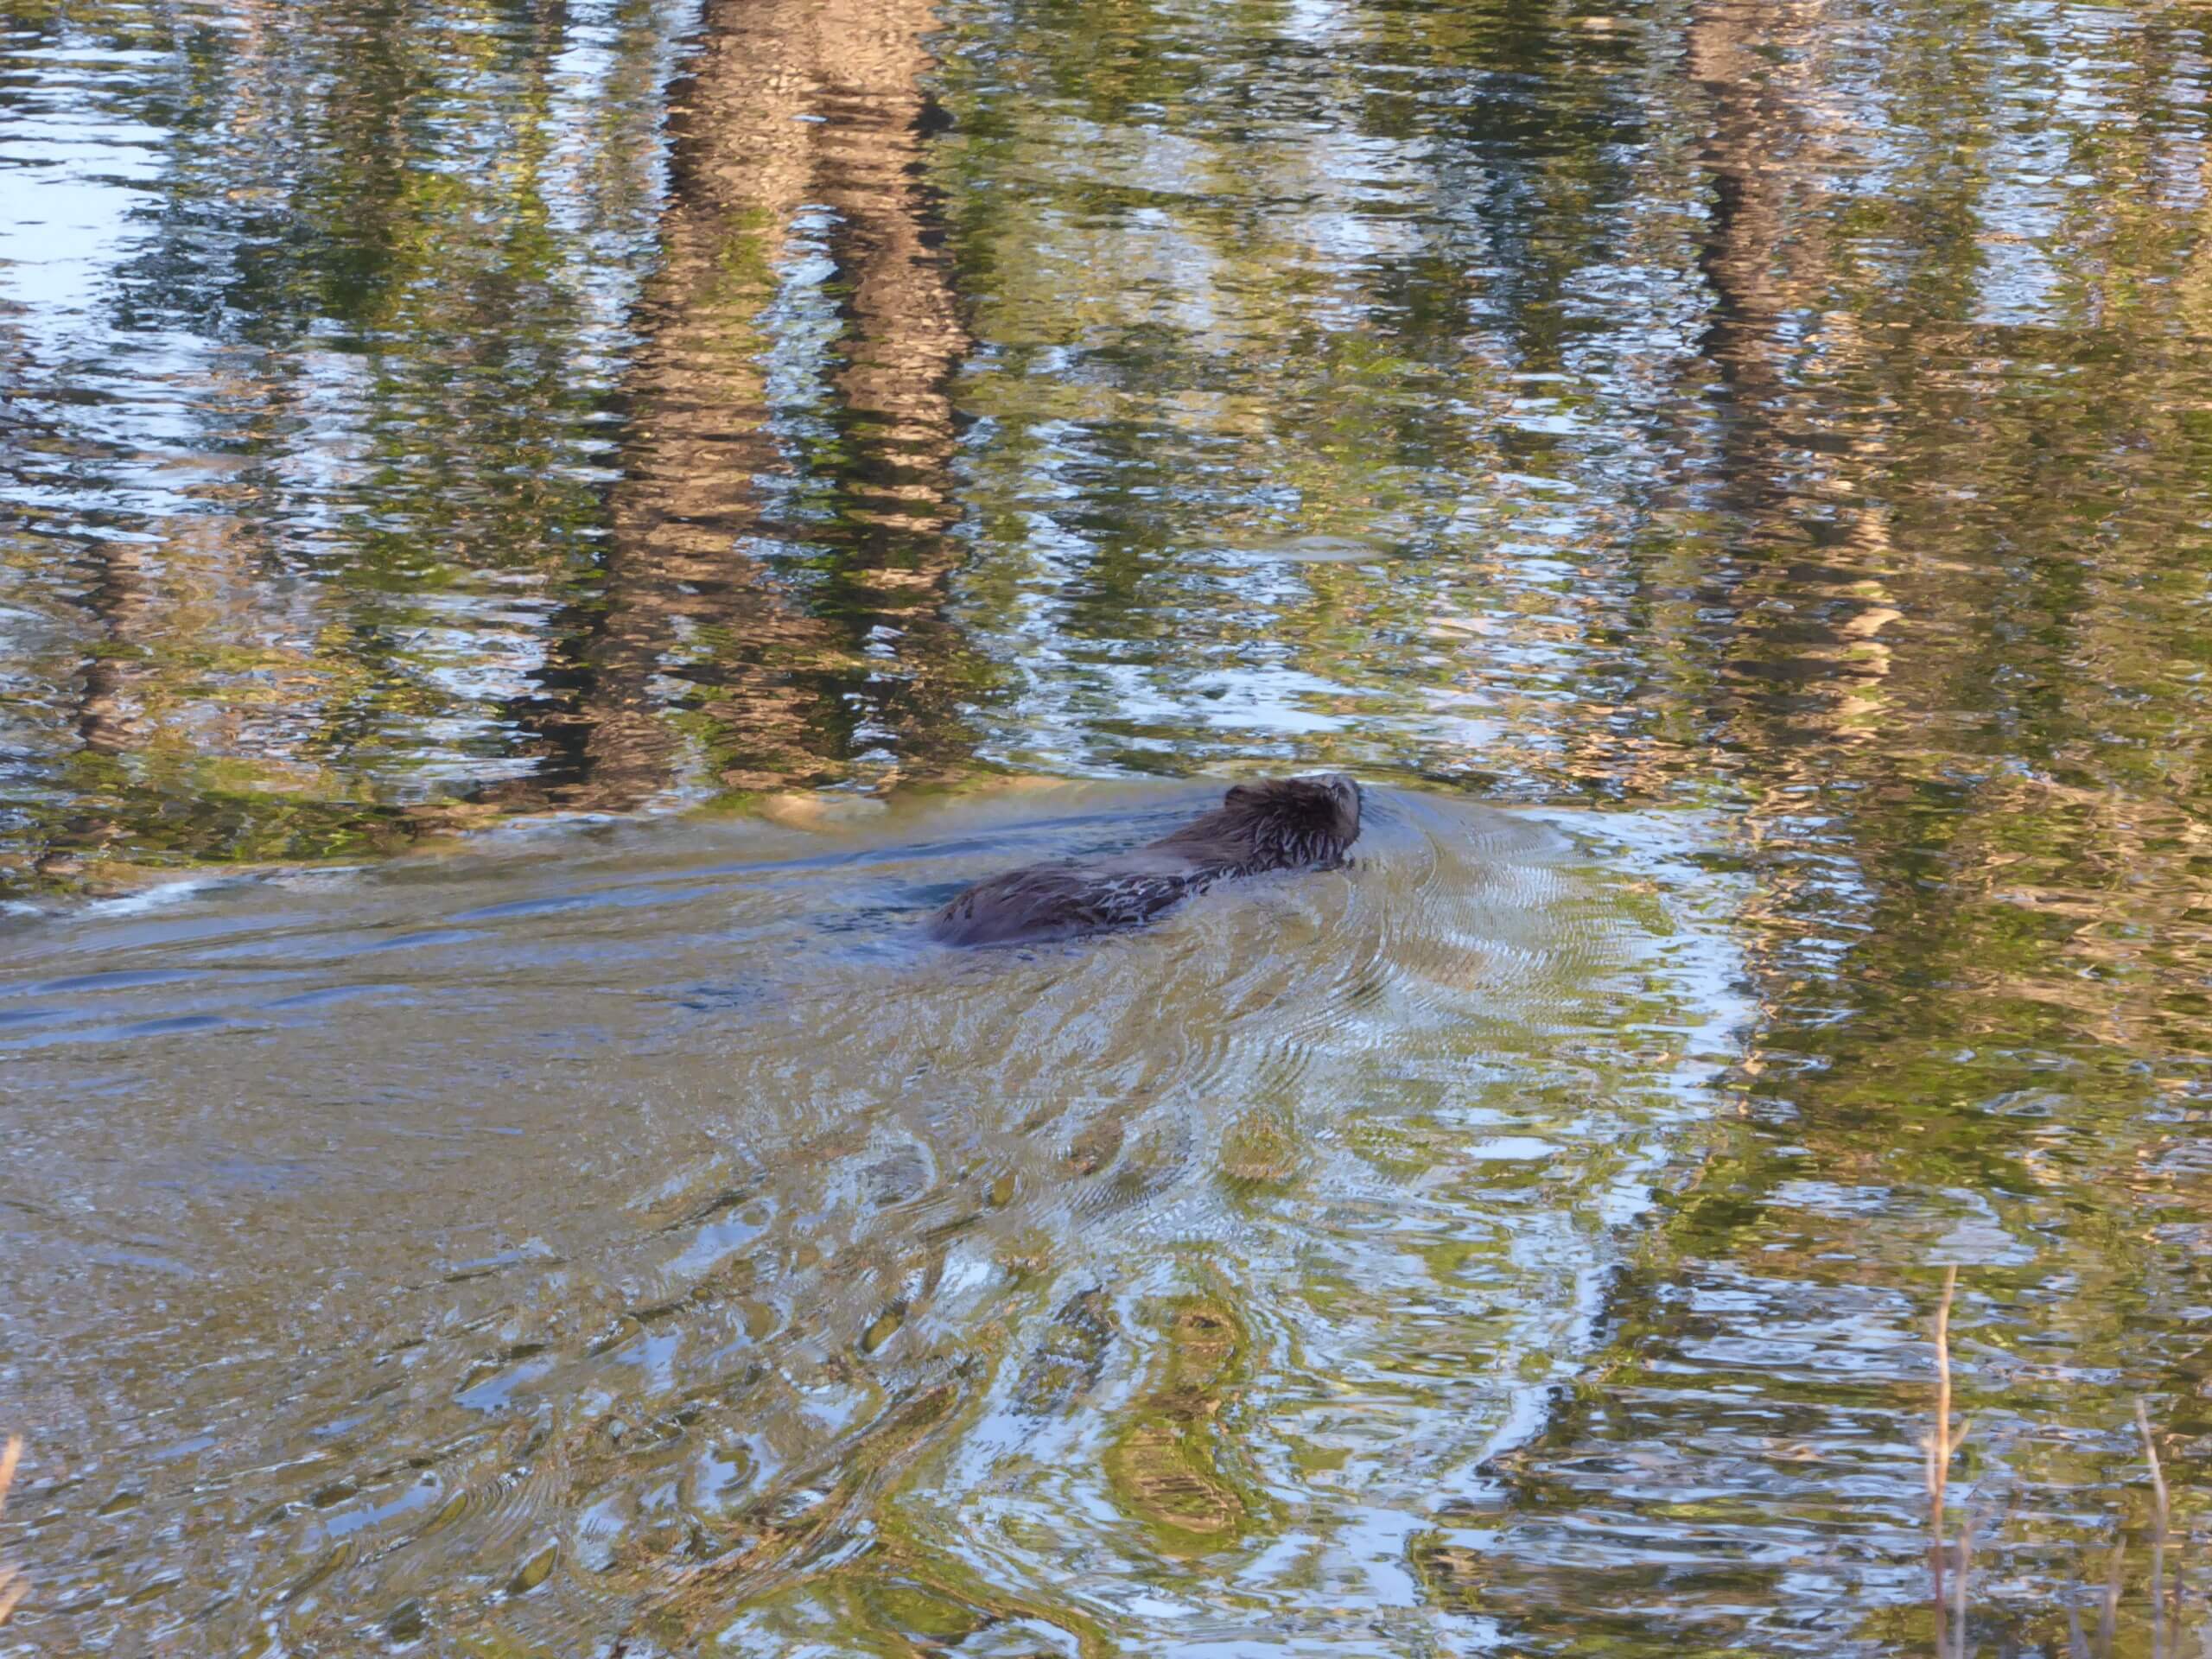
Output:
x,y
2108,1618
12,1583
2161,1636
1939,1446
2173,1607
1959,1586
1950,1609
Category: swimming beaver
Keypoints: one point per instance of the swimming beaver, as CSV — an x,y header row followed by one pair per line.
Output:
x,y
1285,823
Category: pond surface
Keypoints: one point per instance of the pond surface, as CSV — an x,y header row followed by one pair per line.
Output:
x,y
537,540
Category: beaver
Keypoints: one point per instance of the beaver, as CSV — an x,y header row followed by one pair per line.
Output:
x,y
1283,823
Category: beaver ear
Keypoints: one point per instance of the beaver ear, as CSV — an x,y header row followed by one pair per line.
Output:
x,y
1240,793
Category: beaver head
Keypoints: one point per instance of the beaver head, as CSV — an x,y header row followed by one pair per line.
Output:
x,y
1282,824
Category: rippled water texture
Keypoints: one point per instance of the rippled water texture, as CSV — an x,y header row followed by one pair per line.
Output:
x,y
537,540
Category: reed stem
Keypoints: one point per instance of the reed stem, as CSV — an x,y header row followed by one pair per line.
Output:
x,y
12,1582
1942,1443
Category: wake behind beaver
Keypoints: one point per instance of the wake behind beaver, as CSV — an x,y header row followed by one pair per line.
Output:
x,y
1282,824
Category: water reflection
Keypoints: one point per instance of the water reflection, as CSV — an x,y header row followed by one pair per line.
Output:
x,y
305,459
1768,438
778,532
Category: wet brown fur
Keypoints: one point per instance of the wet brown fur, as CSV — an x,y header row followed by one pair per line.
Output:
x,y
1284,824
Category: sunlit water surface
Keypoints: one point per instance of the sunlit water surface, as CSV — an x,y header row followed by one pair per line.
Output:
x,y
657,1203
536,542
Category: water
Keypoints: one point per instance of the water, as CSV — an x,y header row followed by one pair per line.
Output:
x,y
537,541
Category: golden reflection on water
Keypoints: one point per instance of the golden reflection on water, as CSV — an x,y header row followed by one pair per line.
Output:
x,y
784,115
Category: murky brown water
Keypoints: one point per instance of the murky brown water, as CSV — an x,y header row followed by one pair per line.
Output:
x,y
654,1197
535,541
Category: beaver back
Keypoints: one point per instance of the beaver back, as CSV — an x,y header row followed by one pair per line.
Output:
x,y
1284,824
